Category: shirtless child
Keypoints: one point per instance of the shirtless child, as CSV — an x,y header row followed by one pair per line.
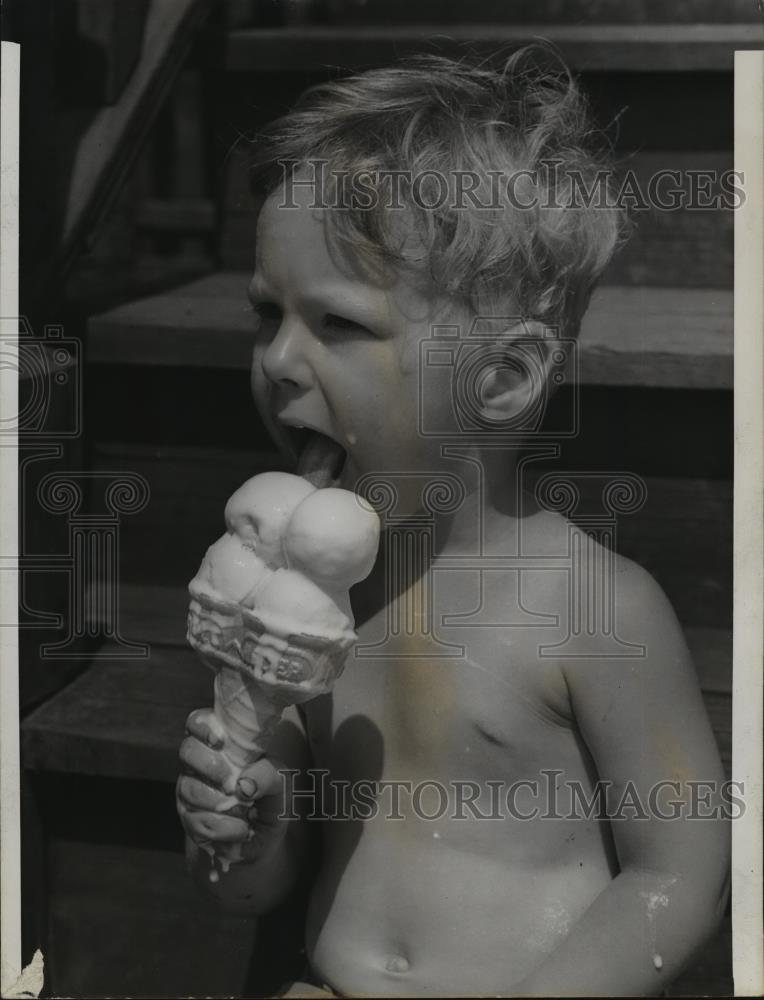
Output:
x,y
486,874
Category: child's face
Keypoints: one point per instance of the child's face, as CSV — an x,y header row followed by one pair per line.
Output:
x,y
337,348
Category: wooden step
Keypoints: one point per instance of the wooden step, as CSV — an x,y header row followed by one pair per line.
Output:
x,y
639,336
591,12
157,615
120,719
109,933
125,718
631,47
682,534
187,215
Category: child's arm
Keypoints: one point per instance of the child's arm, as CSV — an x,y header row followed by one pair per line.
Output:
x,y
274,847
644,722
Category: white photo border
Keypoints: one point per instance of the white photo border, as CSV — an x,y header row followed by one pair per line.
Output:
x,y
748,670
748,614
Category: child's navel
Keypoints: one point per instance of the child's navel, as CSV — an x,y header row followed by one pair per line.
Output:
x,y
397,964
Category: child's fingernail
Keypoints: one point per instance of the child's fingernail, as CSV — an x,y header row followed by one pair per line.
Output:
x,y
214,741
246,787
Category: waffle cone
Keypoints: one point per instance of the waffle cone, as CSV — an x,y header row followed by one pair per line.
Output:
x,y
297,665
260,666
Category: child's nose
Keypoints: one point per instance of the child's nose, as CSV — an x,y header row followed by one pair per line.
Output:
x,y
285,361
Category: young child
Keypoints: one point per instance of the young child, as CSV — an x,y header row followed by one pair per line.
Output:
x,y
477,720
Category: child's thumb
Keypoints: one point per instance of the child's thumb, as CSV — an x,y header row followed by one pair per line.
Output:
x,y
257,780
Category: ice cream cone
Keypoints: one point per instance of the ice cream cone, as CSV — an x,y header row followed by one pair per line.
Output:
x,y
260,669
271,650
249,714
270,610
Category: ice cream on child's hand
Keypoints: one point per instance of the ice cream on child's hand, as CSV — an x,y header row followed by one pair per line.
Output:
x,y
270,609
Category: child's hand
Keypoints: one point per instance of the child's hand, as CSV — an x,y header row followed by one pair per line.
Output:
x,y
209,783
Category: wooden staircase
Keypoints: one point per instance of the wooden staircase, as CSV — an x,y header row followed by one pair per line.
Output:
x,y
642,336
169,399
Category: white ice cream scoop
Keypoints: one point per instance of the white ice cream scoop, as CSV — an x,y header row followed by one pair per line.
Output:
x,y
229,569
332,537
258,511
289,601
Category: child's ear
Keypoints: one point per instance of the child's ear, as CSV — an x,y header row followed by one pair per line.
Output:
x,y
517,379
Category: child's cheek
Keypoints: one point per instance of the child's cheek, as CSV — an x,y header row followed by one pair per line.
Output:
x,y
406,361
257,376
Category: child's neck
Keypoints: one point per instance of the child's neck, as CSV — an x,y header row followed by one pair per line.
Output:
x,y
495,499
487,518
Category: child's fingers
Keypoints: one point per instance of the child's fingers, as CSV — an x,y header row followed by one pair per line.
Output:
x,y
209,764
258,780
268,812
205,726
197,795
205,826
259,842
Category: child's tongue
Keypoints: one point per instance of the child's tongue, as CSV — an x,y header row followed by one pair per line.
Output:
x,y
321,460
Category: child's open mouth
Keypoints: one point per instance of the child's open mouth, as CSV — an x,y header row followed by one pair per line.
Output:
x,y
320,460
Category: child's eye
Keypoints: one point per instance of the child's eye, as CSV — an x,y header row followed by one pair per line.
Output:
x,y
332,321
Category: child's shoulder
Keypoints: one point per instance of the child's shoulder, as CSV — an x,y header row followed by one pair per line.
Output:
x,y
611,631
576,576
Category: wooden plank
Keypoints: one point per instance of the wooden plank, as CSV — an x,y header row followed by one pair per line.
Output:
x,y
711,650
690,250
683,536
207,323
669,337
126,719
128,920
154,611
678,338
662,110
189,489
543,11
119,719
157,615
188,215
683,249
686,246
719,709
681,519
641,47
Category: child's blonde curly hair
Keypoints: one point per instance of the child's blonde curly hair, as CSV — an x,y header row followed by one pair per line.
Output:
x,y
505,179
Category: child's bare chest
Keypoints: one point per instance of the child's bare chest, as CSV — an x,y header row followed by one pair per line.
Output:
x,y
426,696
